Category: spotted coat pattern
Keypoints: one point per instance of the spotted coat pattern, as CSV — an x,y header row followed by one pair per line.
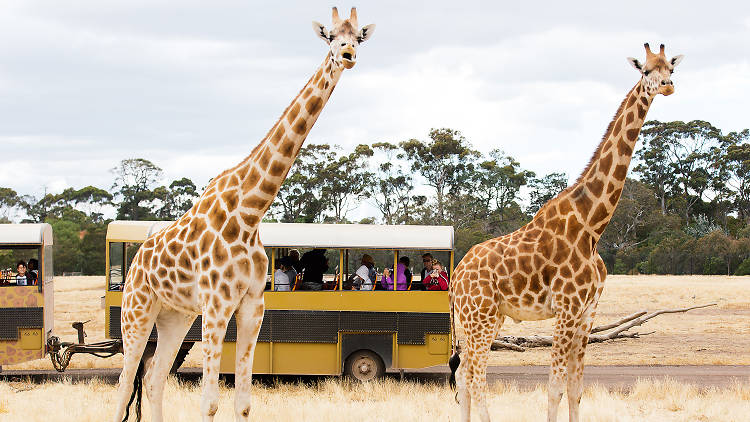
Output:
x,y
211,261
550,267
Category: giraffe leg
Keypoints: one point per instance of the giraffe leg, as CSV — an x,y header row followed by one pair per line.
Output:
x,y
561,344
134,339
172,327
575,367
462,391
478,342
249,316
214,330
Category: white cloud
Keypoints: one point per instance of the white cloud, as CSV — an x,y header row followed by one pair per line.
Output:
x,y
84,85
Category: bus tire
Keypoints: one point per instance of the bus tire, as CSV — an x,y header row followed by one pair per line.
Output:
x,y
364,365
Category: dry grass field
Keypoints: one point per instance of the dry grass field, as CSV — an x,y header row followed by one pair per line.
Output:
x,y
711,336
387,400
717,335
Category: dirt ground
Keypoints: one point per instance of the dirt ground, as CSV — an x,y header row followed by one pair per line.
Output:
x,y
713,336
718,335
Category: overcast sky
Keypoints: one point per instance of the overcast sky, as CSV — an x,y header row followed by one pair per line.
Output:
x,y
194,85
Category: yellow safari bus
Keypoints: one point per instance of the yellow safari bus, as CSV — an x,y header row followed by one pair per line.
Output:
x,y
26,291
347,326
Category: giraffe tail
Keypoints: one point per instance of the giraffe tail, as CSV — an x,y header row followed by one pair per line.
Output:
x,y
137,394
455,359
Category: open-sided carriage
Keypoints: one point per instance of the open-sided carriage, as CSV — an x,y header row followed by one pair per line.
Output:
x,y
327,332
26,308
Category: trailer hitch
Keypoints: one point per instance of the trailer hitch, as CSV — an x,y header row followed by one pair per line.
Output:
x,y
60,352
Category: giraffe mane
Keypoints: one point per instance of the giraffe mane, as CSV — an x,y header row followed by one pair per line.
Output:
x,y
608,132
265,138
594,157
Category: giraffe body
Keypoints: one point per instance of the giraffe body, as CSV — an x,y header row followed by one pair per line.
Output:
x,y
211,262
550,268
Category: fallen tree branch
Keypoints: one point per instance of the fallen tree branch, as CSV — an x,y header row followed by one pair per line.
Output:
x,y
618,323
520,344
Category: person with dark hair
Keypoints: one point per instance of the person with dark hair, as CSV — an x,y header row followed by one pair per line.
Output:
x,y
21,279
427,268
314,264
403,275
294,260
285,275
364,277
32,275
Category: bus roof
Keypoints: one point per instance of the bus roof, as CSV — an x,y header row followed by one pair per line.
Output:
x,y
351,236
25,234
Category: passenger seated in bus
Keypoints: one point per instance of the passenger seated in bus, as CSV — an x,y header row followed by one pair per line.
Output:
x,y
294,260
403,275
21,279
284,275
365,276
32,274
427,265
437,279
314,264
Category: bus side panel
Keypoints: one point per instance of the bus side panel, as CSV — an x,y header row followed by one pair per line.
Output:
x,y
305,358
49,309
21,324
435,352
415,357
111,298
261,361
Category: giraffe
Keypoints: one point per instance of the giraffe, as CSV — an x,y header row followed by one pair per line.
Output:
x,y
550,268
211,261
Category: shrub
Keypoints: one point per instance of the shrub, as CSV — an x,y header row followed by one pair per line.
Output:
x,y
744,268
714,266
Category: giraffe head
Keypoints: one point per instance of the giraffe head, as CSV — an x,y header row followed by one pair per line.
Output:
x,y
657,71
344,37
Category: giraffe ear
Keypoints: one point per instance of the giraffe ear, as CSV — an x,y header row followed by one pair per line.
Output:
x,y
366,32
321,31
636,64
676,60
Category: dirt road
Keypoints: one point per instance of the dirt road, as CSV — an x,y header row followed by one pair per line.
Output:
x,y
526,377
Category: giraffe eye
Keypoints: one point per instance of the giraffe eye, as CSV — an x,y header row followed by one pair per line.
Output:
x,y
646,72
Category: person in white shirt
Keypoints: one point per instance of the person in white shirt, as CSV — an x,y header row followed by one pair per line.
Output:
x,y
21,276
285,276
364,272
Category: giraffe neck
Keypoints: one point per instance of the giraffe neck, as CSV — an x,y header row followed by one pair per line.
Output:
x,y
604,178
252,185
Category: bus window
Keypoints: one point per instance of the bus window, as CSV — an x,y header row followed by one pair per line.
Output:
x,y
9,259
131,250
369,263
116,276
422,266
319,269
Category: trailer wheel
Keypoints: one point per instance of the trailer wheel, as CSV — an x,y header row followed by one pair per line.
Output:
x,y
364,365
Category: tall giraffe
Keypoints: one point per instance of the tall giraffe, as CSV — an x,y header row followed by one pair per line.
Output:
x,y
550,268
211,261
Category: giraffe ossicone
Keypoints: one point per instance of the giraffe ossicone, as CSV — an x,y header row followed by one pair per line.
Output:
x,y
550,268
210,261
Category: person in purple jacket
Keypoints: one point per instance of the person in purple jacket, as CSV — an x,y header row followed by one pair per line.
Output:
x,y
402,275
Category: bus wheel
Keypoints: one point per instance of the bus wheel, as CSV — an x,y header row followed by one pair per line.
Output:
x,y
364,365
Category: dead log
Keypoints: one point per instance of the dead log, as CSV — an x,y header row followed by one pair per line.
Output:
x,y
619,328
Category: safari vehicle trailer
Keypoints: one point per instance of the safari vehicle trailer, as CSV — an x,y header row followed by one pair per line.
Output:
x,y
26,312
329,332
